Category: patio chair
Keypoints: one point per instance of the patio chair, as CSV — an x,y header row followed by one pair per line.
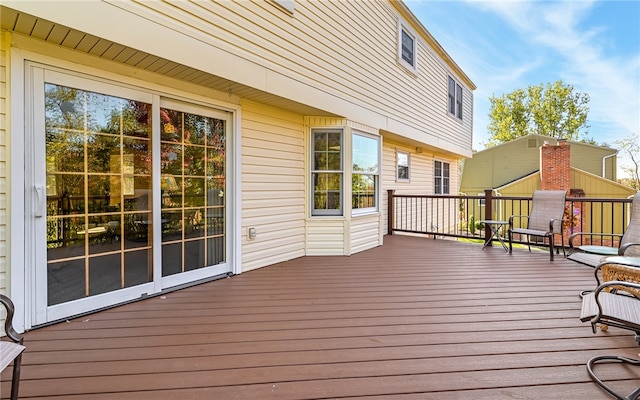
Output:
x,y
628,243
613,303
545,219
11,351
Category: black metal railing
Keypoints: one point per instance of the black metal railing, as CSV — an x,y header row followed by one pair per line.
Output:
x,y
460,216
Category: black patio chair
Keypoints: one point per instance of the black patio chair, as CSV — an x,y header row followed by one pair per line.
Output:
x,y
11,350
628,243
613,303
545,219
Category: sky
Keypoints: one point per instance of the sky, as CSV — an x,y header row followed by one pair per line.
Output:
x,y
504,45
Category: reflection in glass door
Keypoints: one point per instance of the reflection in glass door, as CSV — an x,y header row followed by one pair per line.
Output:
x,y
192,164
128,194
98,191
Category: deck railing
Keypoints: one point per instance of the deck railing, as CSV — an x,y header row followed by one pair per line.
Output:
x,y
460,216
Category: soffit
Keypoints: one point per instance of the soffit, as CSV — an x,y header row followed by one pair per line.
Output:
x,y
37,28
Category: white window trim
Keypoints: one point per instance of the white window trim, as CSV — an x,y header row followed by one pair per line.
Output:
x,y
313,213
441,176
376,208
21,277
408,178
456,85
403,27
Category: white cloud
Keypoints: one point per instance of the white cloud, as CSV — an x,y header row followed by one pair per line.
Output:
x,y
613,83
556,31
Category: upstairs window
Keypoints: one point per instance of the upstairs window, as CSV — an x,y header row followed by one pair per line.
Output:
x,y
403,166
441,177
407,48
455,98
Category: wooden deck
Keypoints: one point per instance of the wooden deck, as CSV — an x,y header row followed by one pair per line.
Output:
x,y
414,319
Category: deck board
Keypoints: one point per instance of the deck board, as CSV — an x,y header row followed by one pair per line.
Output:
x,y
413,319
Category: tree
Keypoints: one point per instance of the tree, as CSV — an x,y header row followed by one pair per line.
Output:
x,y
554,110
630,146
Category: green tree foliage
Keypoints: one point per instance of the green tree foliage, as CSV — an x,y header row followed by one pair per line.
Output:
x,y
554,110
630,146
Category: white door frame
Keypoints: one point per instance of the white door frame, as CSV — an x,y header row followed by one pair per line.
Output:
x,y
20,253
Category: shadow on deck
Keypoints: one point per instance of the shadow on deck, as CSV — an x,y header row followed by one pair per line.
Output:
x,y
414,319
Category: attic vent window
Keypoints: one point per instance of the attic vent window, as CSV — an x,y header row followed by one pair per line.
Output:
x,y
532,143
286,5
407,48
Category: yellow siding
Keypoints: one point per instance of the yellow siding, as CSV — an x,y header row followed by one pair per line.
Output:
x,y
365,233
596,186
499,165
523,187
306,57
4,104
273,199
421,176
592,185
507,162
326,237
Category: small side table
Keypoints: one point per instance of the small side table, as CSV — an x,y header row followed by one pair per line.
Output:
x,y
495,226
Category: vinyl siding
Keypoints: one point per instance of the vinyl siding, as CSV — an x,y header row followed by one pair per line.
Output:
x,y
365,232
327,237
590,159
340,57
421,176
500,165
596,186
4,104
593,186
522,187
508,162
273,189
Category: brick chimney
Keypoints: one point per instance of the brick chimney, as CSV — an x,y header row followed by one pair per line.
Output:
x,y
555,166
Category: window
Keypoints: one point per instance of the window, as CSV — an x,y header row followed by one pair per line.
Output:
x,y
459,101
326,175
455,98
441,177
365,172
402,160
407,50
287,5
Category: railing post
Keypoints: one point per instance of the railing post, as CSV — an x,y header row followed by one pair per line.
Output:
x,y
390,207
488,212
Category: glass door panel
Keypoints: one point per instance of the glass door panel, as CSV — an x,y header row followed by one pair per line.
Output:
x,y
128,194
192,164
98,191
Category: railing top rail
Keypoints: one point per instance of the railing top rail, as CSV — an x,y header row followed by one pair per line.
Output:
x,y
573,199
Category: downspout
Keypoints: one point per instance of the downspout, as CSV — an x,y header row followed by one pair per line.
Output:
x,y
604,159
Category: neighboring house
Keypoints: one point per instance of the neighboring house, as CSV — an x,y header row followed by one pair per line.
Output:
x,y
151,145
533,162
513,169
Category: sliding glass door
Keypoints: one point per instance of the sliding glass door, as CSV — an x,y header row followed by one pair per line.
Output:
x,y
128,192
